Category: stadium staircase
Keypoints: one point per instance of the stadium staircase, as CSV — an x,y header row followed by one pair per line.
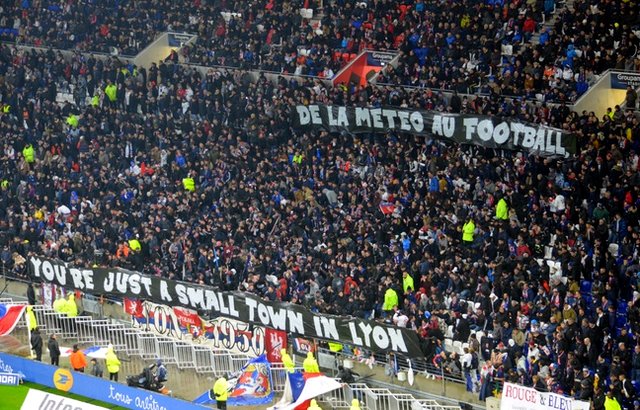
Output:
x,y
548,23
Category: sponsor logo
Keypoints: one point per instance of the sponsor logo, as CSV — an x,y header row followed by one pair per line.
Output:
x,y
624,77
40,400
383,58
9,379
621,81
63,379
148,403
5,367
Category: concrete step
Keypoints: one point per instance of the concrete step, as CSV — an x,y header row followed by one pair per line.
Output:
x,y
551,20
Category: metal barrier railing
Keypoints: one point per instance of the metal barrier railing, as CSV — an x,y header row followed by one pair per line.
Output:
x,y
149,343
133,347
379,399
341,398
48,320
204,359
279,376
136,342
84,334
433,405
117,333
167,351
185,355
100,331
11,301
421,366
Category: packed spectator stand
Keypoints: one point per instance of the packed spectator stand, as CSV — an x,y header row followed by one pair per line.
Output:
x,y
519,49
506,49
201,178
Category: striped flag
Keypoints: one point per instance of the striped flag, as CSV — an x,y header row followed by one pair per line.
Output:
x,y
9,317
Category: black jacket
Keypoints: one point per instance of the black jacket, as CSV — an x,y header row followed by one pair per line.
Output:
x,y
347,376
598,401
54,348
31,295
36,341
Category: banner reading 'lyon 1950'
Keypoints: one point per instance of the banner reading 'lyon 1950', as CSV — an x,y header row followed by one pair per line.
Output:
x,y
179,322
294,319
482,130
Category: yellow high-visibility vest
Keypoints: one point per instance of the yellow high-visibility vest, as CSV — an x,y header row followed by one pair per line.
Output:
x,y
134,244
189,184
29,154
72,120
111,91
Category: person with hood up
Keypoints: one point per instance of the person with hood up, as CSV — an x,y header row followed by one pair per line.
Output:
x,y
36,343
29,154
390,300
72,307
113,363
220,392
54,350
502,210
314,405
31,318
162,374
355,405
31,294
60,305
287,361
310,365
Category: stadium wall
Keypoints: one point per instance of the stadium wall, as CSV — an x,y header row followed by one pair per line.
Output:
x,y
600,96
88,386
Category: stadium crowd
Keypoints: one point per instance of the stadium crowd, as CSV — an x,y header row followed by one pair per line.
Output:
x,y
494,46
504,49
104,26
234,34
200,177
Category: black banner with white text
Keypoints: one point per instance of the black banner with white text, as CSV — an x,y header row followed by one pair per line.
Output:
x,y
245,307
481,130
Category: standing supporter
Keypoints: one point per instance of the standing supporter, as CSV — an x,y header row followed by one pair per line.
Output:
x,y
54,350
96,368
78,359
220,393
310,365
36,343
113,364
